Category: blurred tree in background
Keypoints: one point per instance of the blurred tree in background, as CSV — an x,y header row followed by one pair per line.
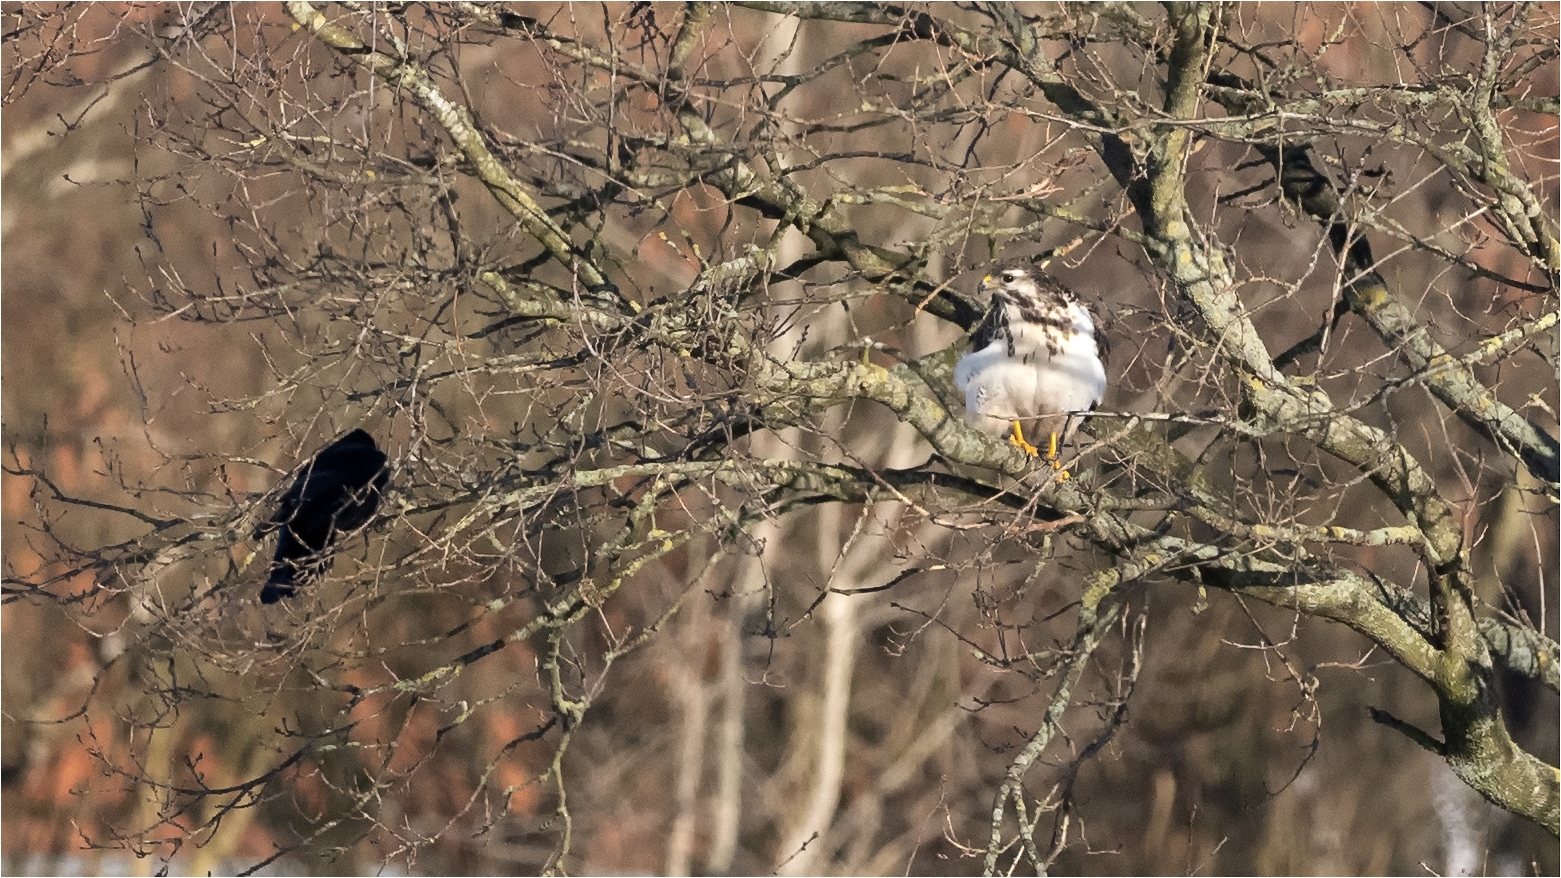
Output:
x,y
689,562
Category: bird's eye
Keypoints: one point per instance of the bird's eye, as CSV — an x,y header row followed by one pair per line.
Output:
x,y
1010,276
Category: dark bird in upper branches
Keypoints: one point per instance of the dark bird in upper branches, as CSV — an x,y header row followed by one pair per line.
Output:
x,y
337,492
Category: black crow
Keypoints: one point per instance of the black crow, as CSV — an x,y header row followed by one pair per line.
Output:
x,y
337,492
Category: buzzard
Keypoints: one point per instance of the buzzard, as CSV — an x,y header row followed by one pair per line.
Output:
x,y
1037,356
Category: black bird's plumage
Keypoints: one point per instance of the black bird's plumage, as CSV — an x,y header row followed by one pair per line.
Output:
x,y
337,492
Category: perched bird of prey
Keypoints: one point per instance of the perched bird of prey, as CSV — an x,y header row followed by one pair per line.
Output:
x,y
337,492
1037,356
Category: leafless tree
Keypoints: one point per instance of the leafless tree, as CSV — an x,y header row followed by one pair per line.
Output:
x,y
689,560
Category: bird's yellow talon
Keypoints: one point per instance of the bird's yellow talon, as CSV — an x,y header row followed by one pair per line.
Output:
x,y
1017,438
1051,455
